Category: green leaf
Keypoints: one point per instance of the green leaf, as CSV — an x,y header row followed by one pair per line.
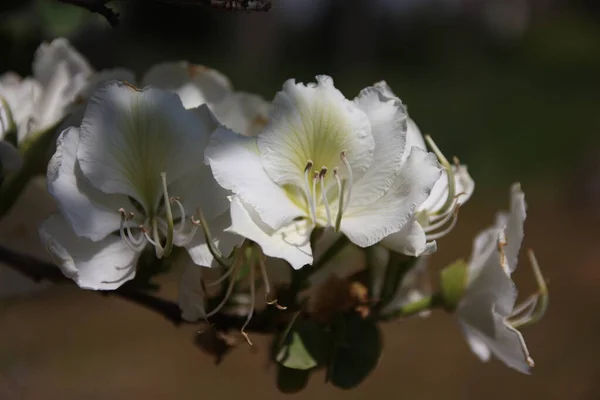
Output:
x,y
291,380
306,346
453,281
357,350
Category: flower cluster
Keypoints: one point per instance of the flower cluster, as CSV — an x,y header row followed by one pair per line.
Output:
x,y
184,161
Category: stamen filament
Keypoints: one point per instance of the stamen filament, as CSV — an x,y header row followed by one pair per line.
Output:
x,y
350,178
216,253
252,304
443,233
443,221
181,225
267,285
542,296
132,246
340,185
324,195
221,278
314,195
309,199
229,289
169,244
449,174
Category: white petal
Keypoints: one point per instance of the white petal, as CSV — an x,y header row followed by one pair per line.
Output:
x,y
106,75
292,243
198,188
513,221
223,239
314,122
243,113
194,84
507,344
49,55
476,343
463,184
236,165
367,225
413,138
10,158
128,137
91,212
387,117
21,96
63,73
490,289
410,240
102,265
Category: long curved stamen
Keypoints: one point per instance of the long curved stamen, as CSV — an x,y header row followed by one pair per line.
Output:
x,y
190,236
236,268
181,226
441,222
221,278
169,243
214,250
309,198
541,297
340,185
350,178
128,239
266,283
252,304
160,251
443,233
314,195
449,173
322,174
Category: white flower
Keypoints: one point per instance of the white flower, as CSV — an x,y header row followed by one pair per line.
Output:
x,y
437,215
10,159
487,311
113,179
322,161
39,103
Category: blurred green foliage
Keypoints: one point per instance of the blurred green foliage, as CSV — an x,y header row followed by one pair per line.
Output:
x,y
516,108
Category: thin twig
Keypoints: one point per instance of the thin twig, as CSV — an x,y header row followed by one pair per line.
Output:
x,y
98,7
39,271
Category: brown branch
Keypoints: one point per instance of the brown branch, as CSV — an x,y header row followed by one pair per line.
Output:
x,y
226,5
39,271
98,7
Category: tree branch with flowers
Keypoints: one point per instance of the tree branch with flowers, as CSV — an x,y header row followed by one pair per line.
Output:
x,y
178,167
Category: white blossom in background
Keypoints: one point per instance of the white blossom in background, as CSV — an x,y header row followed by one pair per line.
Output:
x,y
487,311
40,102
322,161
129,177
10,159
437,215
195,84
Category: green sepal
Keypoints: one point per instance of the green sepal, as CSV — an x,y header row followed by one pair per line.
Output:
x,y
305,346
453,282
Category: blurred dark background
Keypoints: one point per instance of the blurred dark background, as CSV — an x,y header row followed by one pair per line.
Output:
x,y
512,87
